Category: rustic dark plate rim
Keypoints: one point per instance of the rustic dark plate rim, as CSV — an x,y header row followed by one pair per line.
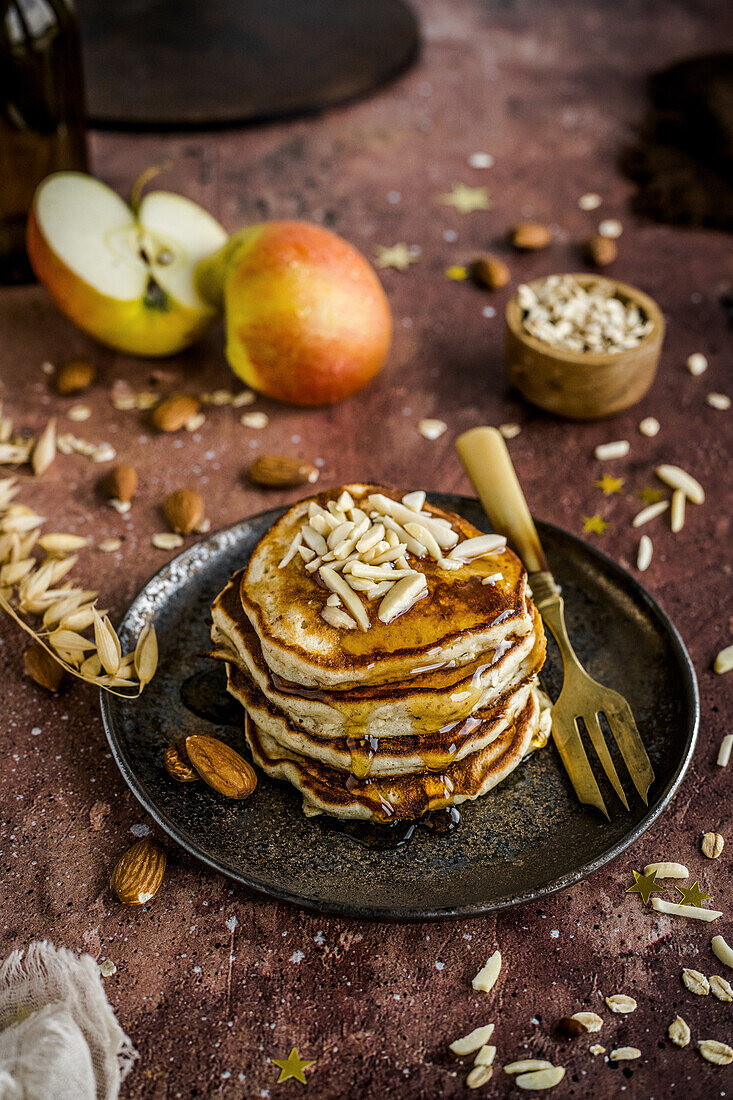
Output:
x,y
688,687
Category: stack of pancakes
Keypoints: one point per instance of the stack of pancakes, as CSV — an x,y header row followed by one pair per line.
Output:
x,y
373,719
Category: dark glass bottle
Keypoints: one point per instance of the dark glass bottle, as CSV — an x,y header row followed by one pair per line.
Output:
x,y
41,113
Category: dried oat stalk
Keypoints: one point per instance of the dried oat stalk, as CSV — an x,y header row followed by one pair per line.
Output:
x,y
70,628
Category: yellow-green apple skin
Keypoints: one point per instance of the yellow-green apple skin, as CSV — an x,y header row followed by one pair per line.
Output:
x,y
307,321
150,317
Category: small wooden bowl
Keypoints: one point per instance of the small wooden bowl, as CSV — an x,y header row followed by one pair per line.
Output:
x,y
583,385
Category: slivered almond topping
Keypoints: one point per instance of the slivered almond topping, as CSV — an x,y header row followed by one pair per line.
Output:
x,y
478,547
606,451
650,512
306,553
415,500
726,747
167,540
667,870
336,583
473,1041
337,617
402,596
315,541
292,550
426,538
487,976
432,429
644,553
485,1056
677,517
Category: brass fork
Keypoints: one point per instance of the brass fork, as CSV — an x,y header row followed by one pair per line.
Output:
x,y
485,457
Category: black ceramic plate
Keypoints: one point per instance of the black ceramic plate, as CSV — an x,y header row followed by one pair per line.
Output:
x,y
527,838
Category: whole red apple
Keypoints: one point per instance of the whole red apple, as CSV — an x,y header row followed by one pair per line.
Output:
x,y
307,321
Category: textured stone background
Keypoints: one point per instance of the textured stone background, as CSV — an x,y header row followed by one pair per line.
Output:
x,y
553,92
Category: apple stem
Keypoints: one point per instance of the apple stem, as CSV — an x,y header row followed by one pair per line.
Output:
x,y
142,181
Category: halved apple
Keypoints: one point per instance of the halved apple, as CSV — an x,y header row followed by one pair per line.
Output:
x,y
126,277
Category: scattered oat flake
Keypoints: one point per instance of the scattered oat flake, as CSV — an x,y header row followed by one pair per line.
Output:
x,y
679,1032
244,397
510,431
620,1002
591,201
432,429
480,160
597,1049
197,421
167,540
624,1054
718,401
724,660
713,1051
721,988
79,412
107,968
254,420
712,845
697,363
610,227
108,546
47,367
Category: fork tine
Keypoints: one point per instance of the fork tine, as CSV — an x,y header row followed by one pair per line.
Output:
x,y
598,741
621,722
572,753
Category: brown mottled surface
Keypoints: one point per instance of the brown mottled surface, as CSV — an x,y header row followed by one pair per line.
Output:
x,y
551,91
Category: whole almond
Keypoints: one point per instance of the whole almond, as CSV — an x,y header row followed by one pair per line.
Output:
x,y
490,271
121,482
281,471
139,873
41,667
174,412
221,767
530,235
184,510
177,765
74,376
601,251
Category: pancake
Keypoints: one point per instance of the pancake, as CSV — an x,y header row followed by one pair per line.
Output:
x,y
460,618
379,756
391,798
428,702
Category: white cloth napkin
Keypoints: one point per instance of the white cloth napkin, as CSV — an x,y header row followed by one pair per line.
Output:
x,y
59,1039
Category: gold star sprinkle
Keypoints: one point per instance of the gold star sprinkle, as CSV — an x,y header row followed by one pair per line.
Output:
x,y
645,886
649,495
608,484
594,525
292,1066
467,199
395,255
693,896
456,273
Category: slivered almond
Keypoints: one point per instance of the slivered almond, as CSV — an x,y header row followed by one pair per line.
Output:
x,y
402,596
338,618
315,541
644,553
292,550
528,1065
667,870
624,1054
619,448
677,516
414,500
677,478
444,535
485,1056
473,1041
722,950
487,976
724,661
167,540
693,911
724,752
650,512
543,1079
478,547
336,583
421,533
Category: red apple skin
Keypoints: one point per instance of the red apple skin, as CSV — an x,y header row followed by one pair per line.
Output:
x,y
307,320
